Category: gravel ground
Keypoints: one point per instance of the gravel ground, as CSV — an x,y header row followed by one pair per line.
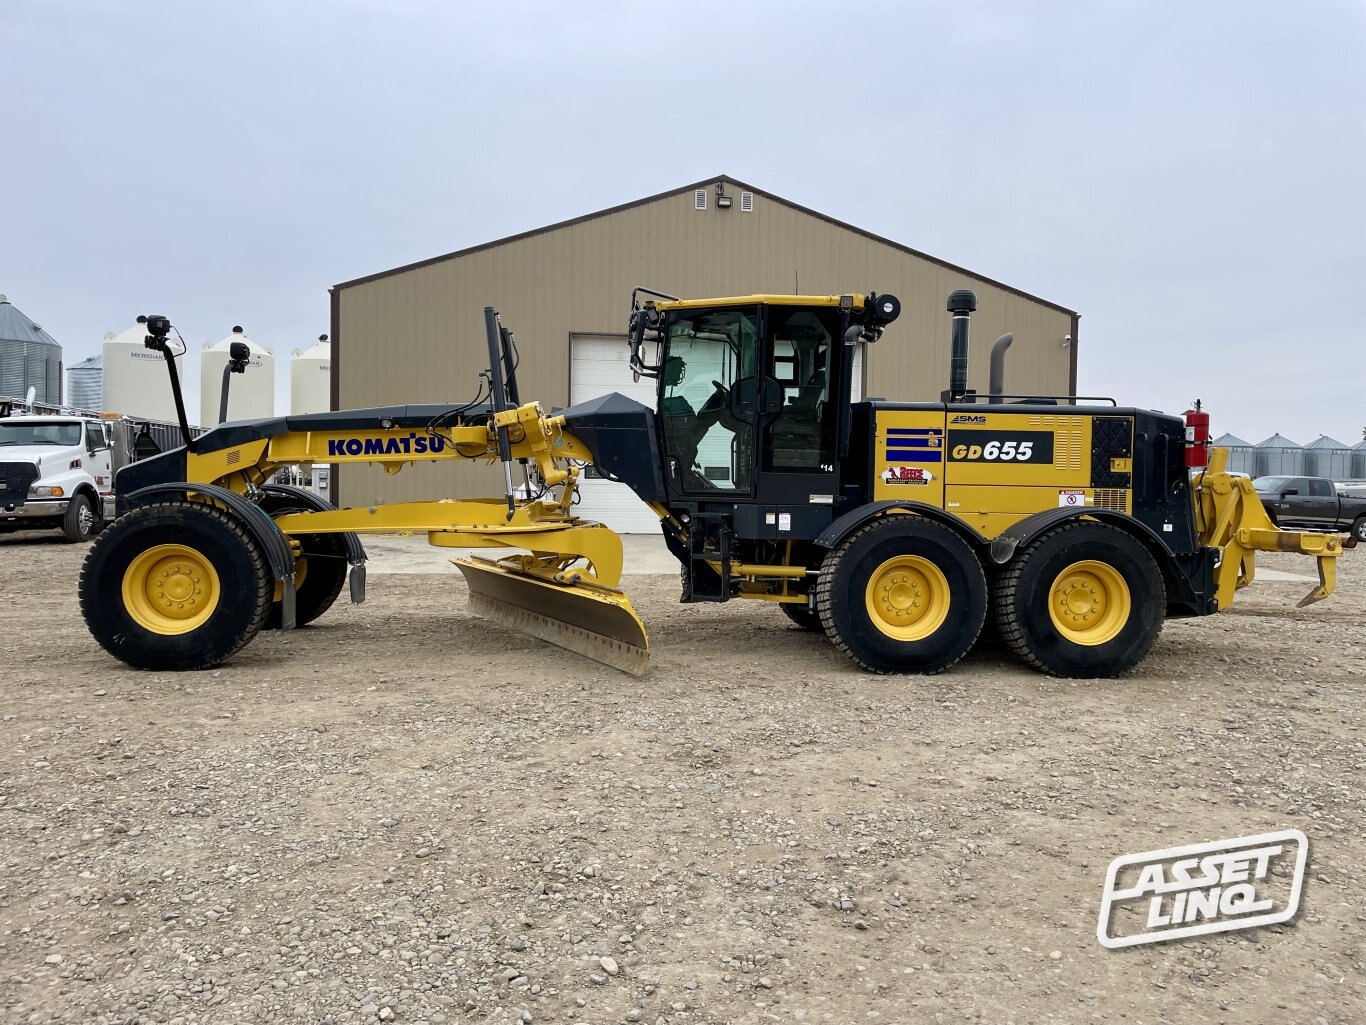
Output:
x,y
405,814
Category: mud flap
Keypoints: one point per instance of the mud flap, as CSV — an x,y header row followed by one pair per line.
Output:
x,y
592,620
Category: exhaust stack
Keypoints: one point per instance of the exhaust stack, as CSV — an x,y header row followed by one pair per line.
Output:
x,y
962,303
998,367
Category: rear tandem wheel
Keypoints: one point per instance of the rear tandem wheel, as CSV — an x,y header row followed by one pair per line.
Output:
x,y
174,585
1085,600
903,595
320,568
803,616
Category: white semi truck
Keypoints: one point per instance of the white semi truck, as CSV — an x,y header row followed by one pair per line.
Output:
x,y
57,469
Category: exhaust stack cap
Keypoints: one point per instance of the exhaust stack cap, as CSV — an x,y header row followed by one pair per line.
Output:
x,y
962,300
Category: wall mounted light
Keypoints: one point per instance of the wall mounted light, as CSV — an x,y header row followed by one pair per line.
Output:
x,y
722,200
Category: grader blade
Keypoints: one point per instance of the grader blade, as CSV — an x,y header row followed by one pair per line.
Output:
x,y
590,619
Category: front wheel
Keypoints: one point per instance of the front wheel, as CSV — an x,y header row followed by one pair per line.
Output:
x,y
175,585
902,595
80,523
1084,600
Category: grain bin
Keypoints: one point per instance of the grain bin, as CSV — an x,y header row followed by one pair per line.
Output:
x,y
1278,456
135,380
252,393
310,378
29,358
85,382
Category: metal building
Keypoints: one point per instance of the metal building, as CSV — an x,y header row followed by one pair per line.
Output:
x,y
29,358
415,333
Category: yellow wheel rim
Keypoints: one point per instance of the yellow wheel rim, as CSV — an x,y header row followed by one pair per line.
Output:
x,y
170,589
907,598
1089,603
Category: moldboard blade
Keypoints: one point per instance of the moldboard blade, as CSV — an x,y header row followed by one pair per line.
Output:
x,y
597,623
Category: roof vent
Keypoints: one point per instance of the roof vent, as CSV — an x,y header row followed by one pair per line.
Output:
x,y
4,298
746,202
699,199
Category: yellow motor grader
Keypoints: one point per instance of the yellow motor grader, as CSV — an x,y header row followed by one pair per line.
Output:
x,y
895,528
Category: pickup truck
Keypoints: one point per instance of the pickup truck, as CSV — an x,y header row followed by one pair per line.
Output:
x,y
1313,503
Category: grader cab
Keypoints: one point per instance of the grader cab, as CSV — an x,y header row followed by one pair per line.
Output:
x,y
894,528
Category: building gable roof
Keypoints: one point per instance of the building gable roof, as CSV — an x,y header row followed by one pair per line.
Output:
x,y
705,183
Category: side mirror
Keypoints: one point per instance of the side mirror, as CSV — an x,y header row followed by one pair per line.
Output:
x,y
1290,491
742,395
755,396
771,397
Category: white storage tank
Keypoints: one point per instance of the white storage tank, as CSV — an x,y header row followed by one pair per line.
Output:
x,y
310,378
85,383
134,377
251,393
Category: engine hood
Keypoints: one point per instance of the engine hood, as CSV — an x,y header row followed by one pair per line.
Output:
x,y
48,458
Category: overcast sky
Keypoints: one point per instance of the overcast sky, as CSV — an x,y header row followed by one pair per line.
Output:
x,y
1189,176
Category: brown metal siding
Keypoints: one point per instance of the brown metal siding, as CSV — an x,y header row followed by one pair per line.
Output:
x,y
417,335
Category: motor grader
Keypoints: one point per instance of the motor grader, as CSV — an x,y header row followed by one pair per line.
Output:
x,y
895,528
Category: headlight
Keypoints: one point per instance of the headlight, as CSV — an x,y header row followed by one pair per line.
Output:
x,y
52,492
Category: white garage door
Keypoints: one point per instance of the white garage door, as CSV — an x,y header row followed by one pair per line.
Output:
x,y
599,365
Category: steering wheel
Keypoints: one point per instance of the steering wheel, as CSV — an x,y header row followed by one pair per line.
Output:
x,y
718,399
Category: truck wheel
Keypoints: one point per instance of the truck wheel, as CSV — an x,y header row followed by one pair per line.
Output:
x,y
80,523
803,616
1085,599
319,570
175,585
902,595
1359,528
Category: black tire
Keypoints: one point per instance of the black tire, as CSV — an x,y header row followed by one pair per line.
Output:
x,y
803,616
881,574
1030,601
323,560
1359,528
124,555
81,522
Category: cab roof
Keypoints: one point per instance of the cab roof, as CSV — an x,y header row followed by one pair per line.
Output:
x,y
768,300
44,418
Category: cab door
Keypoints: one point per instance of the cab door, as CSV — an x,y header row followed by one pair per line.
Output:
x,y
1322,504
707,389
99,445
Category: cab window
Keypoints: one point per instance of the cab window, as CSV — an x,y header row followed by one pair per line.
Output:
x,y
802,436
706,397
